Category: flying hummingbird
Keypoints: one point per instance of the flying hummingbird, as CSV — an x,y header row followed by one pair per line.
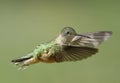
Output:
x,y
68,46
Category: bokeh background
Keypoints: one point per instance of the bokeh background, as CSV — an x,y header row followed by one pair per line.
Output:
x,y
25,24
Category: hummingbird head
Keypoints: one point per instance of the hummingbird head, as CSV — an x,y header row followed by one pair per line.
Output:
x,y
66,35
68,31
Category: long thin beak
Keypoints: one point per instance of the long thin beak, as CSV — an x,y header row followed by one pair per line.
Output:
x,y
78,36
83,35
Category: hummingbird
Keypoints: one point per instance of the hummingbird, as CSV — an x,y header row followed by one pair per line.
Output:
x,y
68,46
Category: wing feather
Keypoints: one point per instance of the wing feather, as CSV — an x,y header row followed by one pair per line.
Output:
x,y
92,39
71,53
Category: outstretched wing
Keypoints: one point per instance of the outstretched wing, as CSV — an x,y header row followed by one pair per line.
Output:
x,y
92,39
71,53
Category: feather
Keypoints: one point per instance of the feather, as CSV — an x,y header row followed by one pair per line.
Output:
x,y
72,53
92,39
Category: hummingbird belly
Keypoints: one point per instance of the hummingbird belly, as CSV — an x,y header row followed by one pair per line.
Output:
x,y
47,58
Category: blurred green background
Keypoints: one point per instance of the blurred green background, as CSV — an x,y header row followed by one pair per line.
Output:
x,y
26,23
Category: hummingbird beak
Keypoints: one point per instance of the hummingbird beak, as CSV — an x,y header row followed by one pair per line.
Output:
x,y
81,35
78,36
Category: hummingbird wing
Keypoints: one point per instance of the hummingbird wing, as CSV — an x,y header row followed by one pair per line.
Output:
x,y
92,39
72,53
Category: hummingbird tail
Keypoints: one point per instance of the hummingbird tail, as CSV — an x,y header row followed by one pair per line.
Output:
x,y
25,61
20,59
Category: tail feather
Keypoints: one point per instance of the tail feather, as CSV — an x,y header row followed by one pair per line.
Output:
x,y
24,61
20,59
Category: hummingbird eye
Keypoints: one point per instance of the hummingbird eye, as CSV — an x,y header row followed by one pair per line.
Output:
x,y
67,32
